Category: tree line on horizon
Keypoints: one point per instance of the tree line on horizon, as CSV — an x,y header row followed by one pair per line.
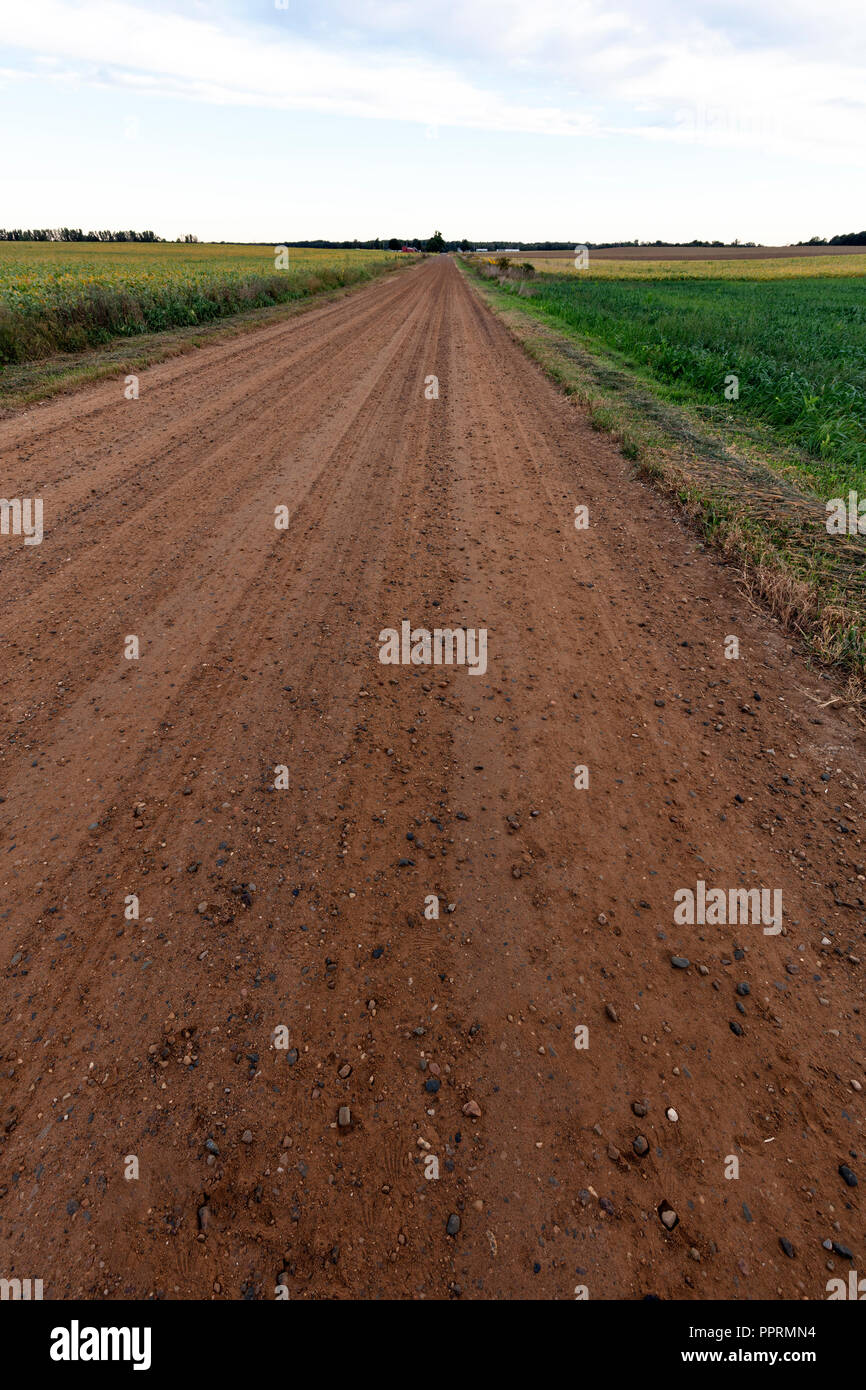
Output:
x,y
846,239
434,244
76,234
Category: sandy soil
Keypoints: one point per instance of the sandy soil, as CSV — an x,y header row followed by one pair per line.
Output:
x,y
303,907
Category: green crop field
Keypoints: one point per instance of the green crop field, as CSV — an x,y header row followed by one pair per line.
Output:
x,y
740,389
67,296
797,347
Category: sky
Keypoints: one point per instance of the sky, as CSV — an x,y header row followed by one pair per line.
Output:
x,y
281,120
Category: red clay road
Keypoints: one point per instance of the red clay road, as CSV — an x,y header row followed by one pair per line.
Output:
x,y
282,966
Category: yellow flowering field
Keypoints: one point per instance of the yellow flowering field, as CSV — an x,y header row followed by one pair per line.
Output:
x,y
66,296
769,268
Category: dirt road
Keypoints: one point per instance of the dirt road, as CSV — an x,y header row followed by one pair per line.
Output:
x,y
171,1085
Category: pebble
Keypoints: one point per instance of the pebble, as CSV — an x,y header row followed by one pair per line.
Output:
x,y
855,1085
672,1115
639,1108
473,1109
453,1224
669,1218
432,1085
787,1247
345,1071
247,1136
847,1175
611,1013
736,1028
640,1146
743,988
680,962
344,1116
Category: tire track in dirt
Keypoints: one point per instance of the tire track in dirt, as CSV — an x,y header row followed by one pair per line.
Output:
x,y
180,515
355,427
305,906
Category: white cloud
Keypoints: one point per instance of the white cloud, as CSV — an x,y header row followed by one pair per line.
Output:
x,y
195,58
717,73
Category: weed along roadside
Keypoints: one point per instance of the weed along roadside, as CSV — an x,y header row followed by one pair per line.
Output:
x,y
766,504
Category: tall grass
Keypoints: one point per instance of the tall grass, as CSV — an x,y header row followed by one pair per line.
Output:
x,y
67,297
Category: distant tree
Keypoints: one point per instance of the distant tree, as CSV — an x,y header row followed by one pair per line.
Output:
x,y
436,242
394,244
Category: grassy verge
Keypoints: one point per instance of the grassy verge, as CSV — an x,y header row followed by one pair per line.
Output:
x,y
25,383
748,492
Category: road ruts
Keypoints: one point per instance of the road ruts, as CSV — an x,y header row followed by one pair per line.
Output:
x,y
303,908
